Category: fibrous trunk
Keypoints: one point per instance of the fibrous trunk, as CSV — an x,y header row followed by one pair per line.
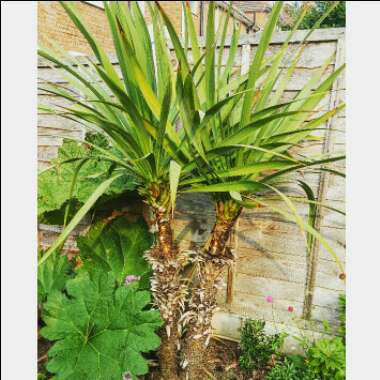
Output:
x,y
211,262
168,291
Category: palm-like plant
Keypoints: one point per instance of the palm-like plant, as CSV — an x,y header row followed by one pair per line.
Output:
x,y
136,112
230,133
244,149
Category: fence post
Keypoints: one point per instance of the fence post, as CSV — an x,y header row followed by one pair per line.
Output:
x,y
244,66
312,260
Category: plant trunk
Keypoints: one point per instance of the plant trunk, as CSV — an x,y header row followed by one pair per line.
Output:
x,y
214,258
167,355
166,285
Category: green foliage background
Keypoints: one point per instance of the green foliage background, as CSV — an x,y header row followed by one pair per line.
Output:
x,y
337,18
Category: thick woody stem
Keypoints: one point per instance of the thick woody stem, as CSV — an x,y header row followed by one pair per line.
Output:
x,y
165,246
167,356
168,291
220,235
226,215
214,258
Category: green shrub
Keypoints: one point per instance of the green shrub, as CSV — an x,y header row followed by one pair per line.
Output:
x,y
94,315
294,367
326,359
100,329
257,347
283,371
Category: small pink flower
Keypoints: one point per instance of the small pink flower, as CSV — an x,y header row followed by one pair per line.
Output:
x,y
130,279
290,309
269,299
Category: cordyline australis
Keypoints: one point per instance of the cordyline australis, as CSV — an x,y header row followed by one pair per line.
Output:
x,y
245,149
235,140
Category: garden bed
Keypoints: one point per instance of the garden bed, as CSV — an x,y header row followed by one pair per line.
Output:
x,y
139,298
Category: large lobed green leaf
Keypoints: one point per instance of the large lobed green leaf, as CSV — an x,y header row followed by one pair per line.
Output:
x,y
100,330
56,187
117,247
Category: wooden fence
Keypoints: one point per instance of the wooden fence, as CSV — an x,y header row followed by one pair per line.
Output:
x,y
272,259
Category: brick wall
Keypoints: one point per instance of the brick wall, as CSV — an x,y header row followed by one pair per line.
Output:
x,y
55,25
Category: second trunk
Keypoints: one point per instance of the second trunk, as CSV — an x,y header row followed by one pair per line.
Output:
x,y
215,257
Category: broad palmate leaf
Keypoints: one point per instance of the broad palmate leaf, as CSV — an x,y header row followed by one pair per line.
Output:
x,y
75,174
118,247
100,330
